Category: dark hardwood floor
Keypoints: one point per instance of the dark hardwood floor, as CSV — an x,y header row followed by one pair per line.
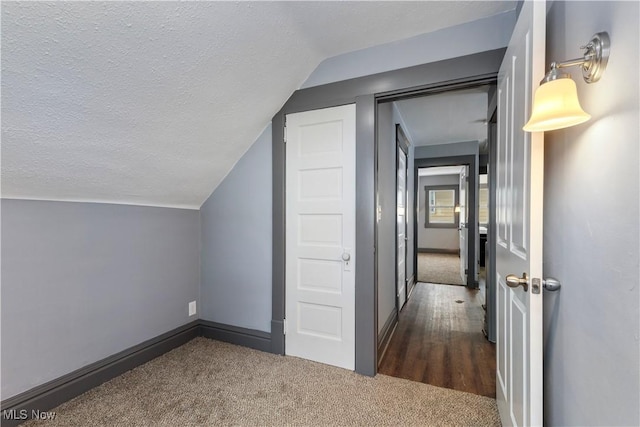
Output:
x,y
439,341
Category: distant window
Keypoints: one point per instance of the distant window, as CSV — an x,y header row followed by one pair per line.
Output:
x,y
484,204
441,204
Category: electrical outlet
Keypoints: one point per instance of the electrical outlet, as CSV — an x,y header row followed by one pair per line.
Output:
x,y
192,308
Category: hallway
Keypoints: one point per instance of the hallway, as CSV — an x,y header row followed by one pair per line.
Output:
x,y
439,341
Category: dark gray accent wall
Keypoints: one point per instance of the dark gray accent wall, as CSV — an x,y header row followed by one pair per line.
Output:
x,y
83,281
591,228
236,243
366,291
278,157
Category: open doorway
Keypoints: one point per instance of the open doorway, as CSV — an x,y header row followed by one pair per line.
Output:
x,y
442,217
439,336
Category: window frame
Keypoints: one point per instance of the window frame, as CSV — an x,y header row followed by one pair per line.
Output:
x,y
480,188
427,211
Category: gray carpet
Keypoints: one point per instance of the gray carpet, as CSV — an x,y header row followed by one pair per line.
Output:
x,y
207,382
439,268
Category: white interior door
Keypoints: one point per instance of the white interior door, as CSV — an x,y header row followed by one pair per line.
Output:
x,y
519,225
463,228
401,229
320,243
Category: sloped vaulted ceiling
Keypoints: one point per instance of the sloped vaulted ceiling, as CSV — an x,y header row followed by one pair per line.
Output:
x,y
152,103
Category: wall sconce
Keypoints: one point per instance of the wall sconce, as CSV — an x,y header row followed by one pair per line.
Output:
x,y
456,209
555,103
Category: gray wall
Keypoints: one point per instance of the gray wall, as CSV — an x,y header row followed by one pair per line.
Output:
x,y
386,242
591,228
82,281
236,243
477,36
435,238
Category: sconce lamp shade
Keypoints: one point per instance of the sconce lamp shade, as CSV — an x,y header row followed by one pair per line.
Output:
x,y
556,106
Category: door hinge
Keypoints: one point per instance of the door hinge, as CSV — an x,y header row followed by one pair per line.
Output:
x,y
285,134
284,326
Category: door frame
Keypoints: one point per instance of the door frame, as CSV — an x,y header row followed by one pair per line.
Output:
x,y
490,267
366,92
464,160
402,143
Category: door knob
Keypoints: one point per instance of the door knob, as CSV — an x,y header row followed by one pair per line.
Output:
x,y
514,281
551,284
346,256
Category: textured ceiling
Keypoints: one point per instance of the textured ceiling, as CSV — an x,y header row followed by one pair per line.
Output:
x,y
446,117
152,103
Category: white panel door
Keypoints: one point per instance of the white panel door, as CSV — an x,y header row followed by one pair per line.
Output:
x,y
401,229
463,227
320,242
519,225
